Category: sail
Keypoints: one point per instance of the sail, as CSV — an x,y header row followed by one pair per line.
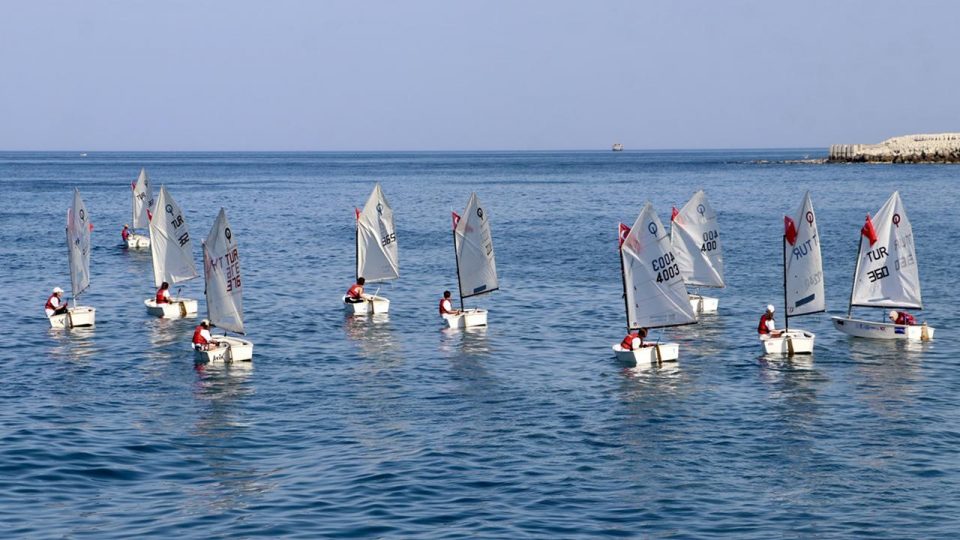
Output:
x,y
170,243
695,238
78,245
476,265
221,272
143,202
804,267
656,293
887,273
377,256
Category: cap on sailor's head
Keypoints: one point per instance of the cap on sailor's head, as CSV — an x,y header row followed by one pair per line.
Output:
x,y
893,314
126,225
205,322
770,308
57,290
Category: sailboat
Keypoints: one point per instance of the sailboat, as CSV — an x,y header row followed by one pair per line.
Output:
x,y
886,275
172,252
654,294
143,205
78,257
476,264
377,256
224,293
803,288
695,238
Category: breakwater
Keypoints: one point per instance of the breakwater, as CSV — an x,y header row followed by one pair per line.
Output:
x,y
924,148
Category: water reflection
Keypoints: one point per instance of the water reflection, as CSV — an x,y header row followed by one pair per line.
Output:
x,y
373,334
76,344
890,371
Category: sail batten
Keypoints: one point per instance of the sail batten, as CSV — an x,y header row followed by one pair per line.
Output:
x,y
143,202
171,246
887,273
221,273
803,272
377,253
695,238
476,263
656,295
78,245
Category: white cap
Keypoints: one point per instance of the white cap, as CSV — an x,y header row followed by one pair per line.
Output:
x,y
57,290
205,322
893,314
770,308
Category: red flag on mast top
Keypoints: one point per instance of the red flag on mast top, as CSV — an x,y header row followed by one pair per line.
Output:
x,y
869,231
624,231
674,214
456,219
790,230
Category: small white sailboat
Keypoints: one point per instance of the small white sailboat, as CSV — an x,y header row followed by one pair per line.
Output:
x,y
654,294
695,238
78,256
476,263
143,204
803,287
172,251
887,275
377,255
224,293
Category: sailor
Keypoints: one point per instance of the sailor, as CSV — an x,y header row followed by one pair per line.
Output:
x,y
446,308
163,294
634,341
767,325
55,304
355,293
202,340
125,233
902,317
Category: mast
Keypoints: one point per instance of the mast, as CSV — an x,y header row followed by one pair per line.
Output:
x,y
786,310
856,270
456,257
356,232
623,280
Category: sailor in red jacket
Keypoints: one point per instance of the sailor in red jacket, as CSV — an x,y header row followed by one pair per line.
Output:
x,y
125,233
766,325
633,341
902,317
446,307
355,293
202,340
163,294
55,304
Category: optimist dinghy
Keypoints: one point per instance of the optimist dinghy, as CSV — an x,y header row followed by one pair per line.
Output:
x,y
654,295
377,256
78,256
887,276
476,263
224,292
803,287
172,252
143,205
695,239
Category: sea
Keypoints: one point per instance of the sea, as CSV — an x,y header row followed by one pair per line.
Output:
x,y
393,427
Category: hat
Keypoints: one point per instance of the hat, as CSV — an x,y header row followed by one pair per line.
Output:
x,y
770,308
126,226
893,314
205,322
57,290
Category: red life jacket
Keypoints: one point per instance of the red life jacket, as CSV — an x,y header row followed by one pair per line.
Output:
x,y
50,303
443,311
160,297
356,291
197,338
762,327
905,318
627,343
125,233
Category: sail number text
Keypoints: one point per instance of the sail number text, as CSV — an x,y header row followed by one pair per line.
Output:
x,y
709,241
665,267
388,239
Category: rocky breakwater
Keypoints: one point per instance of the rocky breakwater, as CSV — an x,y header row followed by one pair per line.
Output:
x,y
927,148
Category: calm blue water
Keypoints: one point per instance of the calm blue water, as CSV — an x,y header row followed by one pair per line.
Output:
x,y
530,428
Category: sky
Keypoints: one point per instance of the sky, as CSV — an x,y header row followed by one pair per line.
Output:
x,y
473,75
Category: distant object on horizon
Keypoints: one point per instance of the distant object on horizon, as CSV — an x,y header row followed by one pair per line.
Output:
x,y
83,154
617,147
923,148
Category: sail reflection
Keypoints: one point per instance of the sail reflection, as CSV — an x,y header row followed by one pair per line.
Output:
x,y
373,334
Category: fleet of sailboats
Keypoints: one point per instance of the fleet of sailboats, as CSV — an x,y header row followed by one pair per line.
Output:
x,y
173,262
377,255
143,204
695,238
476,263
78,258
654,294
886,275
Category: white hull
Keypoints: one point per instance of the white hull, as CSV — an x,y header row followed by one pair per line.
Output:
x,y
182,307
138,241
704,304
74,317
789,342
231,349
467,318
669,352
881,330
370,305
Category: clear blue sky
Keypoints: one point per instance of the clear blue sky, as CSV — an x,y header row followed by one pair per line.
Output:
x,y
447,74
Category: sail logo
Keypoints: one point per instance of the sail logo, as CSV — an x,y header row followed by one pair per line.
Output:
x,y
652,227
701,210
896,220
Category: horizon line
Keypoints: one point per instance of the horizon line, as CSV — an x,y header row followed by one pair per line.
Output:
x,y
380,151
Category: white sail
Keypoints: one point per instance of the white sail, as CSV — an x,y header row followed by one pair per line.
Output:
x,y
695,237
476,265
656,293
78,245
887,273
377,255
221,272
804,266
143,202
170,243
